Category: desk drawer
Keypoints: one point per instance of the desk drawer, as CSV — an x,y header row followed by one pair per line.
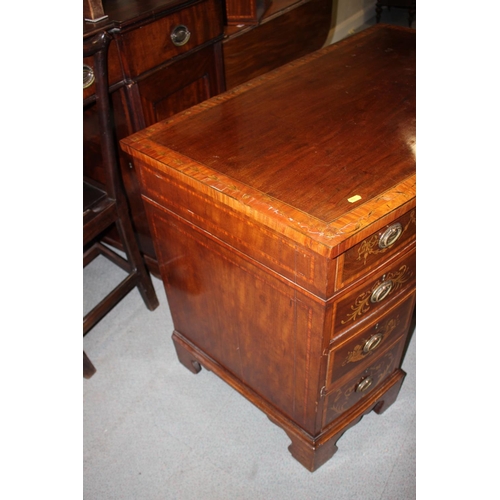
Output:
x,y
371,296
152,44
255,240
379,246
351,351
358,384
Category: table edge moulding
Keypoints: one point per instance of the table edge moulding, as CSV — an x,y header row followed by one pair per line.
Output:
x,y
300,298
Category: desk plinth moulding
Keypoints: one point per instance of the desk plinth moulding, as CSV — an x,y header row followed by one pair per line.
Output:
x,y
283,215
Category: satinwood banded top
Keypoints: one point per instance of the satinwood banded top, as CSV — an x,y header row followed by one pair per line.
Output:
x,y
323,144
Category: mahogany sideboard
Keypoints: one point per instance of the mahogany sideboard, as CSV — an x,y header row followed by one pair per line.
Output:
x,y
283,214
168,55
152,75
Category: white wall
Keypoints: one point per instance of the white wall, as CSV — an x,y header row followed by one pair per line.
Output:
x,y
348,16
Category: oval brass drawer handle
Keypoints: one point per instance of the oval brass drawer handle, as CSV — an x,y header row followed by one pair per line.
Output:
x,y
88,76
372,343
364,384
390,235
180,35
381,292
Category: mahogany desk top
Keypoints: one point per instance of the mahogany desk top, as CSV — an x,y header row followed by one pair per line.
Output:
x,y
339,123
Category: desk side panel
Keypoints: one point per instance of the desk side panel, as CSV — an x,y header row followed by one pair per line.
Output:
x,y
257,328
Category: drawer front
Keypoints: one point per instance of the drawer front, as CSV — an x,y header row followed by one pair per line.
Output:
x,y
369,297
155,43
354,349
376,248
355,386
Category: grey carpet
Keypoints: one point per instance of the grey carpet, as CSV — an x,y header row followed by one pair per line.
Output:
x,y
153,430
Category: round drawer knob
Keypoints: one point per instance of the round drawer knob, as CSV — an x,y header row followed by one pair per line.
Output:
x,y
88,76
180,35
390,235
372,343
381,292
364,384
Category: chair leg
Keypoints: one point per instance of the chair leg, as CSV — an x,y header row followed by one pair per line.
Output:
x,y
145,284
88,367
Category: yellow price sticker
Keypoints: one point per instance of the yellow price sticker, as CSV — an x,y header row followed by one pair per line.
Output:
x,y
354,198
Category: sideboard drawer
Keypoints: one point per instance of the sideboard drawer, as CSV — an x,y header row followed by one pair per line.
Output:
x,y
352,350
114,70
153,44
368,297
376,248
361,382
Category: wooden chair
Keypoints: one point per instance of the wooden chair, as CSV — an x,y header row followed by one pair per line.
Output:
x,y
106,205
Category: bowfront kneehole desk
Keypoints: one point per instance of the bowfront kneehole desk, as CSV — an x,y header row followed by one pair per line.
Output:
x,y
283,214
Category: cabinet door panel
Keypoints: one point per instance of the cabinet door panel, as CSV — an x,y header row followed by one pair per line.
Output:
x,y
180,85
